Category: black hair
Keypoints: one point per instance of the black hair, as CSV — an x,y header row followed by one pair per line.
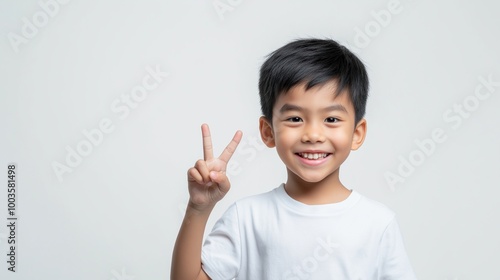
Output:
x,y
314,62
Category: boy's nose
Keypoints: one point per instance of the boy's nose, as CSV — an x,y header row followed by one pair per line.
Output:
x,y
313,133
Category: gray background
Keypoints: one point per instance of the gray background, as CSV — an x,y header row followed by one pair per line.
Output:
x,y
117,213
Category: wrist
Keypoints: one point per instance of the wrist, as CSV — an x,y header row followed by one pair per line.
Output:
x,y
199,210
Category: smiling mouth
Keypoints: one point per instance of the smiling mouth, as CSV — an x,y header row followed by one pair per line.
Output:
x,y
313,156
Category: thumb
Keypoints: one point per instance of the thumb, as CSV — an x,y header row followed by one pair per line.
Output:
x,y
221,179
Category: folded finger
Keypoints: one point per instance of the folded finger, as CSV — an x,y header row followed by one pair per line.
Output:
x,y
202,168
194,175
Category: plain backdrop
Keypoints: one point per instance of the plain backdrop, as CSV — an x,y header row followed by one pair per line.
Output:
x,y
113,209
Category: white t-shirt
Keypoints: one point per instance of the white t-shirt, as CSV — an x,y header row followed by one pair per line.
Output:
x,y
273,236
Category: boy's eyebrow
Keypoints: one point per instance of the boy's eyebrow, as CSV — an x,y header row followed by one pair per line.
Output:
x,y
289,107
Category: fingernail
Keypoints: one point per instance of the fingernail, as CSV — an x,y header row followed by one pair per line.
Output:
x,y
209,184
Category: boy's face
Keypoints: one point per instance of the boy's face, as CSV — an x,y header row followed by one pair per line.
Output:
x,y
313,131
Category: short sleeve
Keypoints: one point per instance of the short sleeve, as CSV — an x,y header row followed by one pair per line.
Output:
x,y
221,252
393,261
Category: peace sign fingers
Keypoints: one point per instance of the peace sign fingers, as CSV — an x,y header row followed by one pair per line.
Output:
x,y
207,180
208,151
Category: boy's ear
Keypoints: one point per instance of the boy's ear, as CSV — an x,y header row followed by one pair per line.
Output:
x,y
266,132
359,135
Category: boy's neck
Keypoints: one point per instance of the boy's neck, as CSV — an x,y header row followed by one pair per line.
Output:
x,y
328,190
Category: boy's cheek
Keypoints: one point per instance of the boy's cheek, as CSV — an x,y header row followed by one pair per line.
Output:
x,y
285,134
279,128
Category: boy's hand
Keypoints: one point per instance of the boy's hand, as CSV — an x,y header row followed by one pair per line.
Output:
x,y
207,180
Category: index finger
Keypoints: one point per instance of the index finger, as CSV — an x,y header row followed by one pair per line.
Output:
x,y
208,152
231,147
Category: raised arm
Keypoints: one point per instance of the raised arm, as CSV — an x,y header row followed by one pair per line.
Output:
x,y
207,184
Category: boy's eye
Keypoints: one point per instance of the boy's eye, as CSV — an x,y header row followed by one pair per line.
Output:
x,y
331,120
294,119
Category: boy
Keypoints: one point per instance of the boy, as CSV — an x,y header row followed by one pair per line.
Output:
x,y
313,95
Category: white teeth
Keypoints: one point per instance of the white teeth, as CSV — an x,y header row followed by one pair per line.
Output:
x,y
313,156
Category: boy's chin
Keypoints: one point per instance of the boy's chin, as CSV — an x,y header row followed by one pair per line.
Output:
x,y
310,177
311,180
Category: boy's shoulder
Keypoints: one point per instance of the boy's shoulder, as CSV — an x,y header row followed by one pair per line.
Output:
x,y
375,210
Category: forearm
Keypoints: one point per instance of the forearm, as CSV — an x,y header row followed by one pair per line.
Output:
x,y
186,258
